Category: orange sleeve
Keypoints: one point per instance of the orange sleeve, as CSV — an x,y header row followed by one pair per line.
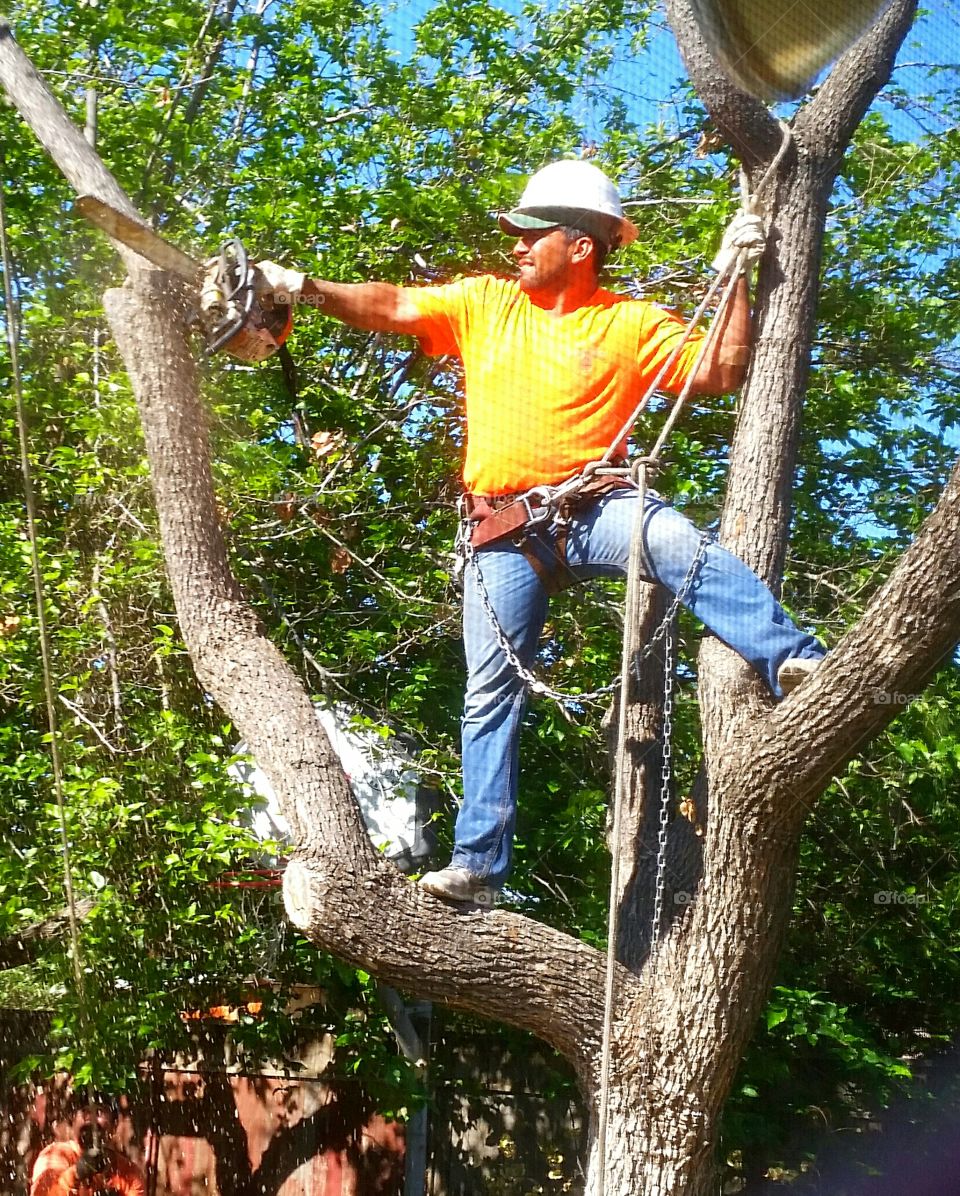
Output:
x,y
444,314
659,334
54,1173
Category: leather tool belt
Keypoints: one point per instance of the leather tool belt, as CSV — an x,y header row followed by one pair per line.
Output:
x,y
495,517
499,517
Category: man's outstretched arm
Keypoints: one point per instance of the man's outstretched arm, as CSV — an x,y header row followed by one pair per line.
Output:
x,y
373,306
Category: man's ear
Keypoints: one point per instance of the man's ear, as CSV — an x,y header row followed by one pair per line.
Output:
x,y
582,249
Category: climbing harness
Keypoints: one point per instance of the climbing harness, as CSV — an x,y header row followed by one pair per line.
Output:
x,y
13,339
534,683
504,516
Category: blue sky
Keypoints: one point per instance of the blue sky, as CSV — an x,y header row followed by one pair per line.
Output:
x,y
650,79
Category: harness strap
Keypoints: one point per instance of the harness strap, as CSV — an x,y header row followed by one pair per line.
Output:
x,y
496,517
514,516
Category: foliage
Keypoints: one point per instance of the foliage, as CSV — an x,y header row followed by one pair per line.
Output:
x,y
338,137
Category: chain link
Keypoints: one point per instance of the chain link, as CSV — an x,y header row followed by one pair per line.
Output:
x,y
666,784
533,683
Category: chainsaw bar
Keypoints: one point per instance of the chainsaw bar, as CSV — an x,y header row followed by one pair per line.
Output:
x,y
140,237
229,311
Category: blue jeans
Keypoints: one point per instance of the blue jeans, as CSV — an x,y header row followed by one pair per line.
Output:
x,y
725,595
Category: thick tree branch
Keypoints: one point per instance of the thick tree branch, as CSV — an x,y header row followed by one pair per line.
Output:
x,y
757,507
910,626
340,892
743,120
764,769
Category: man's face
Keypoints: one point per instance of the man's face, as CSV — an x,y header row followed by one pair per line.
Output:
x,y
82,1124
544,258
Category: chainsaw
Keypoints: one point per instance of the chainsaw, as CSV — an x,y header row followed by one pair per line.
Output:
x,y
232,315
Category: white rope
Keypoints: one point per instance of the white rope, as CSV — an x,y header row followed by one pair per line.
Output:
x,y
728,280
53,725
630,617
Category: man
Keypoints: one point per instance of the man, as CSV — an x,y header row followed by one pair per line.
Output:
x,y
76,1166
554,365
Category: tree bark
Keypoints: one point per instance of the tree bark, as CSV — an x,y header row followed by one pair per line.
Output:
x,y
702,989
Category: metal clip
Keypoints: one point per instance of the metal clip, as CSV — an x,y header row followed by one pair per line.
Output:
x,y
462,549
544,512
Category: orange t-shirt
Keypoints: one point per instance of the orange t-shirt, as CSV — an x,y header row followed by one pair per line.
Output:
x,y
545,394
55,1174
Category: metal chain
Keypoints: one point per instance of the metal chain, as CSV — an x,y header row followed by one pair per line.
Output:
x,y
666,784
533,683
674,608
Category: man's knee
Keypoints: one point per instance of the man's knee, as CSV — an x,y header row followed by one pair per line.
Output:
x,y
670,541
492,697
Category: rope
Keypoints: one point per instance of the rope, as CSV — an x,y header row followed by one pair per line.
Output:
x,y
13,339
630,616
751,199
727,280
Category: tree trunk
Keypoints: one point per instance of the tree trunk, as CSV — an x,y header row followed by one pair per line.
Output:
x,y
660,1140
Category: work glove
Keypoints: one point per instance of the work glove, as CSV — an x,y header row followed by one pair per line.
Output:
x,y
744,233
283,284
92,1162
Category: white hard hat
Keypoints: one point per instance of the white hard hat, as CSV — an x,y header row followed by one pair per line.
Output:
x,y
574,193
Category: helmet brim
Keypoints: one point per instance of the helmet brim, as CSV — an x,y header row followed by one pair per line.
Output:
x,y
515,223
614,231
